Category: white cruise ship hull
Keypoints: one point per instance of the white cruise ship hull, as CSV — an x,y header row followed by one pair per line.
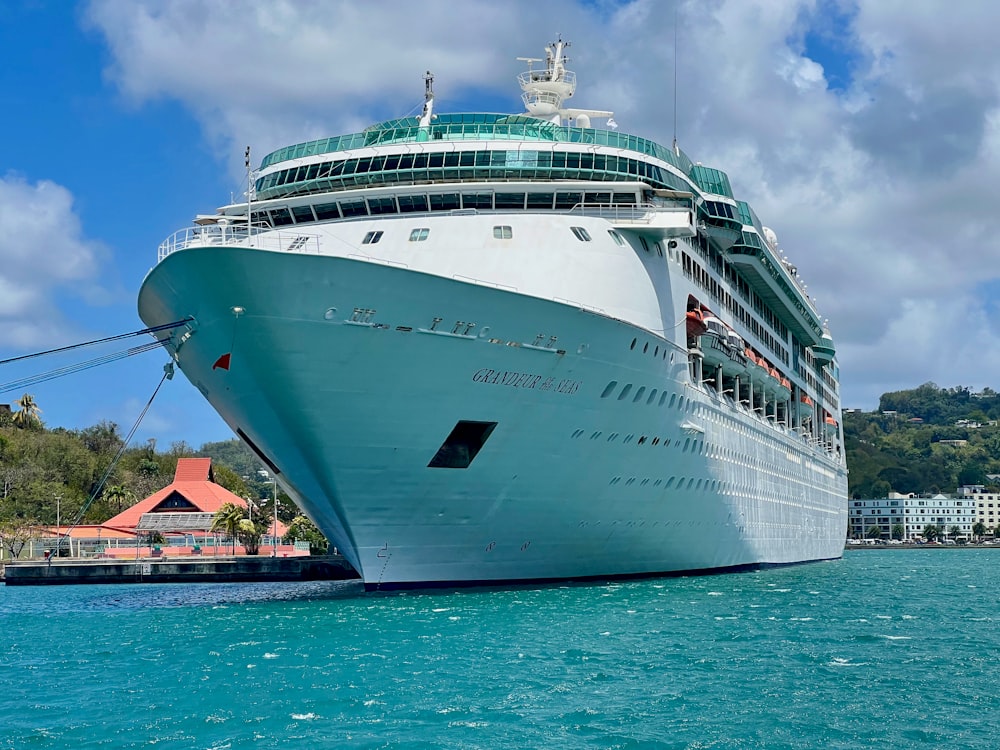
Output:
x,y
347,375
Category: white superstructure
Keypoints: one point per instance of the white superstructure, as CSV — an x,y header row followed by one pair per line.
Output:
x,y
481,348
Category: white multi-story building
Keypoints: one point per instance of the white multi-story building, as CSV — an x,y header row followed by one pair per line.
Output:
x,y
912,512
987,505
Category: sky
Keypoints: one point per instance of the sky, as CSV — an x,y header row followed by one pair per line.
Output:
x,y
865,133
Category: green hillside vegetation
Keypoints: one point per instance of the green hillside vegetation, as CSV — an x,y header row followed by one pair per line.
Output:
x,y
49,473
901,447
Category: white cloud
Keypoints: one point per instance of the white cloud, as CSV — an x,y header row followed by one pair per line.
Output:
x,y
882,193
42,254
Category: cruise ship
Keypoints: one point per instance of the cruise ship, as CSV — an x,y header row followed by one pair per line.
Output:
x,y
486,348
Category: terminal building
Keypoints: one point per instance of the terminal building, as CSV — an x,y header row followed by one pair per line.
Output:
x,y
913,512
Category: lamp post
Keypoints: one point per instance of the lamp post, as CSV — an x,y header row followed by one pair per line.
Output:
x,y
274,537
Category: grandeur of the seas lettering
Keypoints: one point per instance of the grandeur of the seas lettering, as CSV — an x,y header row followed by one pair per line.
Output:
x,y
525,380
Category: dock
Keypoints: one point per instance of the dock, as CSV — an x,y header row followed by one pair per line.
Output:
x,y
239,569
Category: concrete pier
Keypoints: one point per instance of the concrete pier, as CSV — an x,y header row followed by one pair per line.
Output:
x,y
178,570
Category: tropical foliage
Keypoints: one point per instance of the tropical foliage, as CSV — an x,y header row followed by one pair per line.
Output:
x,y
927,439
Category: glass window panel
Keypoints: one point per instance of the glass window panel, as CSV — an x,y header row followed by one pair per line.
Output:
x,y
467,158
382,205
600,198
483,201
280,216
354,208
411,203
502,232
445,202
406,161
303,214
326,211
540,200
568,200
436,160
510,200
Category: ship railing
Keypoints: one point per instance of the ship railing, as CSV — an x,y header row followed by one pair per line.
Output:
x,y
642,213
221,235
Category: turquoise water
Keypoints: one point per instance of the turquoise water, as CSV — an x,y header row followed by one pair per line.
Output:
x,y
885,648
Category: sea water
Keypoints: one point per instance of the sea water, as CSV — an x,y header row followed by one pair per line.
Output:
x,y
885,648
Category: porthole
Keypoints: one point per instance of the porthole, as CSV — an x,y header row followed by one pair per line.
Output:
x,y
608,388
680,402
632,345
639,394
663,397
656,352
625,391
673,400
652,397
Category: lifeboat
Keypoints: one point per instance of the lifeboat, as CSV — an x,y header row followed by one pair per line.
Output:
x,y
696,323
806,406
784,390
722,347
830,425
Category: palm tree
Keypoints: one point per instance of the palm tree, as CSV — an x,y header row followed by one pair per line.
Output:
x,y
930,532
979,529
28,414
953,532
227,519
117,493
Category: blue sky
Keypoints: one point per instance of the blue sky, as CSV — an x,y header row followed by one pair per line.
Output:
x,y
867,134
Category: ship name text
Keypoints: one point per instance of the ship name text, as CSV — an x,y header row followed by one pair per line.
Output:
x,y
525,380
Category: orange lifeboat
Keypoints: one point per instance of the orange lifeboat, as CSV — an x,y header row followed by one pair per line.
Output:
x,y
805,405
696,322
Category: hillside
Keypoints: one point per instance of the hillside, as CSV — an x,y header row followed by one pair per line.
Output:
x,y
927,439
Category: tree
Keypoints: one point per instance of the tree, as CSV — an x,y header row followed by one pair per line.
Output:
x,y
930,532
27,416
227,519
302,529
15,535
979,530
954,531
874,532
118,494
898,531
250,534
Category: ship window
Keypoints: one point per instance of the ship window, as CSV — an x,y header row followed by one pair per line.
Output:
x,y
510,200
280,216
419,235
645,245
462,445
610,387
382,205
658,248
410,203
624,199
445,202
371,238
303,214
598,198
616,237
540,200
581,234
502,232
568,200
477,200
625,391
326,211
638,395
354,208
